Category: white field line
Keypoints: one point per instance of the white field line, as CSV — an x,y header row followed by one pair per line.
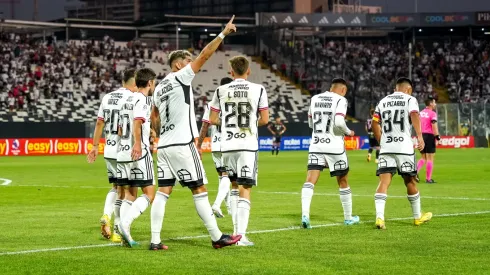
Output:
x,y
5,182
265,192
251,232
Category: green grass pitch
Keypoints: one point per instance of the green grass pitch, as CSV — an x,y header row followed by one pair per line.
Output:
x,y
50,212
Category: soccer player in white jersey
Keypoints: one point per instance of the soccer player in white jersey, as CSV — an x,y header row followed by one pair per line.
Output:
x,y
107,122
224,181
178,158
392,122
326,117
239,103
134,158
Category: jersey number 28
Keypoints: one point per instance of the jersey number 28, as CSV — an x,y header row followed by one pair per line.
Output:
x,y
241,111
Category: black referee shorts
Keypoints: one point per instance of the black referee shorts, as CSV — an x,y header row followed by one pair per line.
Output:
x,y
430,144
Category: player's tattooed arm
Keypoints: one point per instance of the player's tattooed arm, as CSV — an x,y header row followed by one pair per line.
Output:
x,y
202,134
210,48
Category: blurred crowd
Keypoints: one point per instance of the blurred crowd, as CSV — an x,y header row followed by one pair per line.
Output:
x,y
33,69
459,69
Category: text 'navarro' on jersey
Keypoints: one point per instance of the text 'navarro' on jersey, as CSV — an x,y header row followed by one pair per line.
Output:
x,y
110,107
174,100
393,112
239,103
322,114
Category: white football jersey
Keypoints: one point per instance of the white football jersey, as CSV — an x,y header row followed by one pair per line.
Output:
x,y
393,114
136,107
109,112
321,116
239,103
215,130
175,102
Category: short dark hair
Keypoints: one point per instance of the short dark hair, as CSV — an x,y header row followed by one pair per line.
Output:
x,y
239,64
128,74
428,101
178,54
403,80
225,80
143,76
339,81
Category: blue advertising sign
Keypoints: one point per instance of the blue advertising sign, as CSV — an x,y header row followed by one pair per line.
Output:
x,y
297,143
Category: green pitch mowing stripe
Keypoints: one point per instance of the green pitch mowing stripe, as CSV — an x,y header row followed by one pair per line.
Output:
x,y
251,232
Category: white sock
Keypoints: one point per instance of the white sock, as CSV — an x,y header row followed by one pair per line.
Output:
x,y
117,212
415,202
110,199
306,195
157,214
234,207
380,202
125,206
346,200
223,189
206,213
139,206
242,216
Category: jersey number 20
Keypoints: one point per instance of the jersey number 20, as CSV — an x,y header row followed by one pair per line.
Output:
x,y
111,119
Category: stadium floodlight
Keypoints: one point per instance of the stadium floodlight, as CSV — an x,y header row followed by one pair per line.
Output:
x,y
482,29
206,30
212,34
179,29
450,30
420,30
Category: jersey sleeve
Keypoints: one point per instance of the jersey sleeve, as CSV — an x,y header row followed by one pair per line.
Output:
x,y
141,109
413,105
341,107
205,116
433,118
263,101
310,120
186,75
377,114
214,104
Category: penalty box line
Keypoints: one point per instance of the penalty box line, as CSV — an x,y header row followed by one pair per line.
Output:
x,y
251,232
268,192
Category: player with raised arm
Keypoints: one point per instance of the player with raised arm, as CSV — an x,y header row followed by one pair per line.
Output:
x,y
224,181
326,117
178,157
277,129
239,103
107,122
430,133
373,143
134,158
392,122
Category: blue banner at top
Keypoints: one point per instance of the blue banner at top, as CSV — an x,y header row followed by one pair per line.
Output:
x,y
297,143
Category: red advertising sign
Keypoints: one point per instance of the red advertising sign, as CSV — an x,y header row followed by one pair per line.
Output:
x,y
453,142
353,143
59,146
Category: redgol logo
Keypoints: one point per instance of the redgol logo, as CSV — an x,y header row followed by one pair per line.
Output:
x,y
455,142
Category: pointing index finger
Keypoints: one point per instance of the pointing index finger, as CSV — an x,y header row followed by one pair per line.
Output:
x,y
231,20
